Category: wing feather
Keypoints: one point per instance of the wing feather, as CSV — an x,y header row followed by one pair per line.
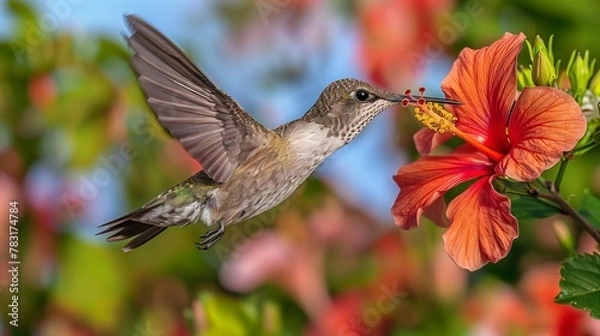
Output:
x,y
210,125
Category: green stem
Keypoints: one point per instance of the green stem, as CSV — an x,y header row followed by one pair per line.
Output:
x,y
518,193
582,150
542,182
561,173
542,199
569,210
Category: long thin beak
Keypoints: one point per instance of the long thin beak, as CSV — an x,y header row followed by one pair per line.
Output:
x,y
442,100
414,99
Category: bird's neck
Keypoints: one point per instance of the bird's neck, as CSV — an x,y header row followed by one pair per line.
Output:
x,y
340,124
310,143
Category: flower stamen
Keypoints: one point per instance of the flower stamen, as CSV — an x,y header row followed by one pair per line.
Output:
x,y
435,117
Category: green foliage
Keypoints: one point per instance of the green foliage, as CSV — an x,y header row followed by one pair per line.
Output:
x,y
226,316
529,208
90,284
573,24
591,139
590,209
580,283
523,206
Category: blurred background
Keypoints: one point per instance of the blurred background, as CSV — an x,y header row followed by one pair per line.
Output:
x,y
79,146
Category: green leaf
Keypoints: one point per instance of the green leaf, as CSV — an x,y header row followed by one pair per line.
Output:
x,y
580,283
524,207
90,284
529,208
590,209
228,316
591,139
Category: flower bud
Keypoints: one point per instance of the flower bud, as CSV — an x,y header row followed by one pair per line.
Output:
x,y
595,84
580,71
540,47
562,82
524,78
543,72
564,236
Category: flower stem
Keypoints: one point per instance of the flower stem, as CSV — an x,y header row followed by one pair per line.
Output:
x,y
544,200
569,210
561,172
582,150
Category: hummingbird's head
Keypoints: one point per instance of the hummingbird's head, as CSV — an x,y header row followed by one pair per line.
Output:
x,y
347,105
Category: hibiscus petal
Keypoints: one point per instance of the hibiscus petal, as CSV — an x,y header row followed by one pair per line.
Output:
x,y
426,140
545,123
481,226
425,180
436,212
484,80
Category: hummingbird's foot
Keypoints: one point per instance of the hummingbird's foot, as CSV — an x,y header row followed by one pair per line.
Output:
x,y
211,237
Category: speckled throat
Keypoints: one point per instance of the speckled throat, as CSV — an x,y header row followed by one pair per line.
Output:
x,y
337,109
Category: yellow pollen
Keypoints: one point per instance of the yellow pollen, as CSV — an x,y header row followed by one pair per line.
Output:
x,y
438,119
435,117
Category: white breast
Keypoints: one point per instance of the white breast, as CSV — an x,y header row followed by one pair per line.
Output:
x,y
310,144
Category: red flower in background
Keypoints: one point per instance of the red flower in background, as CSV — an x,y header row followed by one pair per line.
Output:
x,y
42,90
395,35
295,265
495,308
517,139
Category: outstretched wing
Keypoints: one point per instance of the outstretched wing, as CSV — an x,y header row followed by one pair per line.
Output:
x,y
211,126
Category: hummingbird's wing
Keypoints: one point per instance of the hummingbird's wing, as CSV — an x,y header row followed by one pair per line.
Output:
x,y
211,126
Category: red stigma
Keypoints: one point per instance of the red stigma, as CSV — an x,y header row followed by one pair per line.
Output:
x,y
422,90
405,101
421,101
407,92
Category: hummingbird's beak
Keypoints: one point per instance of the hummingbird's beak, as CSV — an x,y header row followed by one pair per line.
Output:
x,y
441,100
415,99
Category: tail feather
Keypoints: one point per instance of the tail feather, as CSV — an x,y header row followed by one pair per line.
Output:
x,y
127,230
178,206
143,237
129,227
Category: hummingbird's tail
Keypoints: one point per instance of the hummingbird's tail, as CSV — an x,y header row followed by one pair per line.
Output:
x,y
183,204
129,227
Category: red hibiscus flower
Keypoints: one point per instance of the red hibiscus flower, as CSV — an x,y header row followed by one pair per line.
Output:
x,y
507,134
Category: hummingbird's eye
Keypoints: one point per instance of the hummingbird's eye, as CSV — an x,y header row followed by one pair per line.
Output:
x,y
362,95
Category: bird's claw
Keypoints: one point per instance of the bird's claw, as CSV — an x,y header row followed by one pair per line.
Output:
x,y
210,238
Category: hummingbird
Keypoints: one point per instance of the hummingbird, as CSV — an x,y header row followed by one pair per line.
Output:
x,y
247,168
